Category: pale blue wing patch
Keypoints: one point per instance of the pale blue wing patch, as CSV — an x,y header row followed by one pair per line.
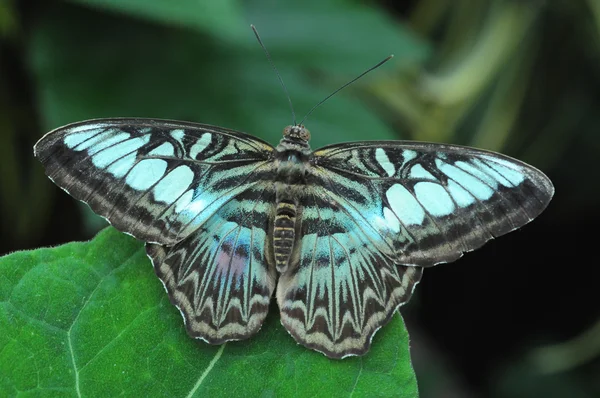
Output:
x,y
434,198
385,163
463,174
200,145
146,173
404,205
417,172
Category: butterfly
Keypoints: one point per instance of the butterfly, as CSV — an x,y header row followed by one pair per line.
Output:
x,y
339,235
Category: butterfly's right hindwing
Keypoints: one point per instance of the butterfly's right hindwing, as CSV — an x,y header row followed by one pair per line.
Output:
x,y
340,288
154,179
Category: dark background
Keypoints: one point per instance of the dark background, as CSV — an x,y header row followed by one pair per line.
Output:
x,y
517,318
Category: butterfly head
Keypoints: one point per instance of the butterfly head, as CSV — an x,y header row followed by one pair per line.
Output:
x,y
296,133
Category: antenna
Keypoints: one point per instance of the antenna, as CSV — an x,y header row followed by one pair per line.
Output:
x,y
346,85
323,100
276,72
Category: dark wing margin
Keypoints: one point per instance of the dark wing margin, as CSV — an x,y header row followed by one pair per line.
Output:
x,y
157,180
220,277
340,289
427,204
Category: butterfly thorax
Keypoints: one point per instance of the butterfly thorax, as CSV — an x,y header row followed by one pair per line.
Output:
x,y
292,158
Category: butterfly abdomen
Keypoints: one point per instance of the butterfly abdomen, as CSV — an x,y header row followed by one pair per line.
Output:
x,y
284,233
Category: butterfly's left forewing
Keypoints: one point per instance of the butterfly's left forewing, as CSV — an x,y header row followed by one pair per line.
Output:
x,y
157,180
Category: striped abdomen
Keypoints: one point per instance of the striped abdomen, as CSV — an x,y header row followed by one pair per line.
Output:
x,y
283,234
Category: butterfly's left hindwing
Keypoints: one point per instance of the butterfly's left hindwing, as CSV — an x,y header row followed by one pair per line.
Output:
x,y
220,277
157,180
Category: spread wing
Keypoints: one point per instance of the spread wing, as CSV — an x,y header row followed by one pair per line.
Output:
x,y
341,289
157,180
220,277
427,204
375,213
196,193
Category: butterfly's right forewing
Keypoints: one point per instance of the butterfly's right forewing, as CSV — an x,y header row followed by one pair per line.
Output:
x,y
427,203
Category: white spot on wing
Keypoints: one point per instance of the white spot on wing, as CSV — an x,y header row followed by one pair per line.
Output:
x,y
404,205
382,158
434,198
146,173
200,145
173,184
165,149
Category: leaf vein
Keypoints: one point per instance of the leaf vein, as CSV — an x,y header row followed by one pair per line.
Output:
x,y
206,371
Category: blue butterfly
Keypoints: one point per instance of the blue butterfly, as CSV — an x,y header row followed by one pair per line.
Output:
x,y
341,234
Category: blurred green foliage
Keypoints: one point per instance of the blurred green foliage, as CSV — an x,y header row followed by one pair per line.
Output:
x,y
517,76
194,61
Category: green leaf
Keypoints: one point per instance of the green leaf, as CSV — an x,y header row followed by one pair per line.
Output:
x,y
92,319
